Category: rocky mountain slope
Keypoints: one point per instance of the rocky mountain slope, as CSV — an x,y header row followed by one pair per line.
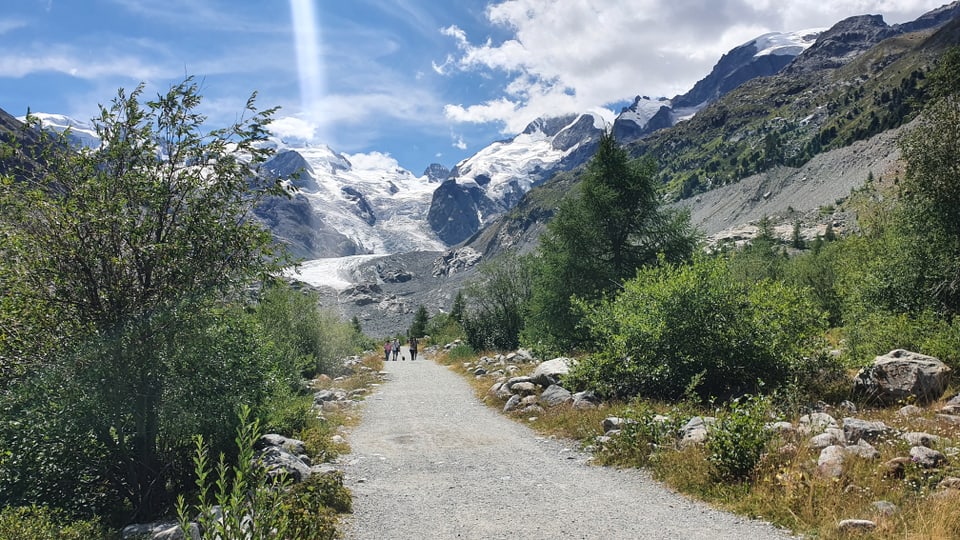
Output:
x,y
347,206
760,57
494,179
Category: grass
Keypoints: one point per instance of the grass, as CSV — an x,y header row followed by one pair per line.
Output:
x,y
784,487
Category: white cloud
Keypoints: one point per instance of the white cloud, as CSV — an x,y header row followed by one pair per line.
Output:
x,y
296,129
570,55
458,141
373,161
6,25
67,61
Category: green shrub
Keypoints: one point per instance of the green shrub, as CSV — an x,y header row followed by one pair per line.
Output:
x,y
880,332
739,437
244,502
644,435
444,328
461,352
676,324
41,523
312,506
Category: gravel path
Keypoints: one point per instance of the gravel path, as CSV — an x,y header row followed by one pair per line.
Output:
x,y
430,461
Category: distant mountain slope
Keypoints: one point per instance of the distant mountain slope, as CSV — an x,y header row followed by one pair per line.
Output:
x,y
759,57
494,179
796,127
348,206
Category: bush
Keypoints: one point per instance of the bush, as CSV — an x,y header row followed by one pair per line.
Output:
x,y
244,502
444,328
677,324
41,523
643,436
312,506
738,439
880,332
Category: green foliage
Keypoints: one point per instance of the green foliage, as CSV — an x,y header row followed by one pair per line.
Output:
x,y
643,436
312,506
312,340
932,184
460,352
739,438
598,239
817,273
41,523
676,324
444,328
119,265
880,332
243,501
459,304
496,303
420,320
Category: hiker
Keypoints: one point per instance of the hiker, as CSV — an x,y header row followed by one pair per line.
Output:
x,y
413,349
386,350
396,349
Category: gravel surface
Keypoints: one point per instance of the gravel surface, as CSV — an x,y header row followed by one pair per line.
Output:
x,y
430,461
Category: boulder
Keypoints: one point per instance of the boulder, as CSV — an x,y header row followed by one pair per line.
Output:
x,y
294,446
585,400
556,395
517,380
896,467
523,388
529,400
278,461
950,482
885,508
695,431
919,438
855,429
550,372
815,423
908,411
856,525
830,461
512,404
863,449
900,375
824,440
927,457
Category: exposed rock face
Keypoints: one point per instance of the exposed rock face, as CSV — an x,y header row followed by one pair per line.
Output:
x,y
455,261
362,209
495,179
290,164
436,172
453,211
294,222
843,42
901,374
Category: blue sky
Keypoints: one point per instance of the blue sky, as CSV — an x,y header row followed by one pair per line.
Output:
x,y
420,81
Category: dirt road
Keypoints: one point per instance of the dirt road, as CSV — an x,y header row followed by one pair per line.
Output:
x,y
429,461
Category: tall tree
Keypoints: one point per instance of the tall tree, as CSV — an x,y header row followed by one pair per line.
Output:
x,y
124,242
932,183
600,238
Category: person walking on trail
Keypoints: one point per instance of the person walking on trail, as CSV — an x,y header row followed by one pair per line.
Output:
x,y
413,349
396,349
386,350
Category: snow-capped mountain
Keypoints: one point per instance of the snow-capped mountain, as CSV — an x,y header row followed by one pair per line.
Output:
x,y
349,204
81,134
494,179
759,57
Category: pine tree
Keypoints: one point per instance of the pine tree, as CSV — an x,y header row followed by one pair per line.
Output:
x,y
599,239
